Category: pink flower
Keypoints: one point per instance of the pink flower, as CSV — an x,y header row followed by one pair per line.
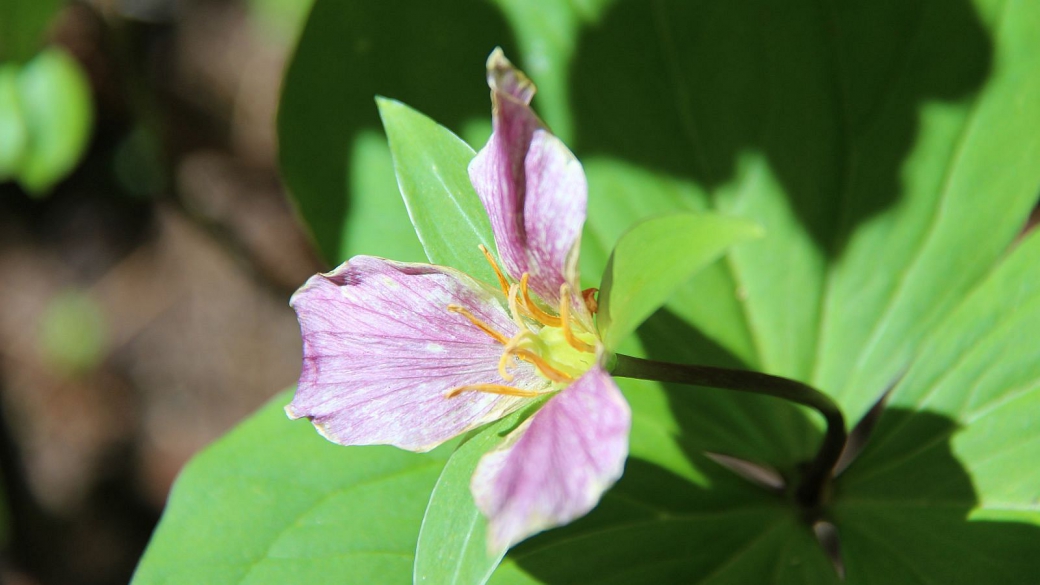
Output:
x,y
414,354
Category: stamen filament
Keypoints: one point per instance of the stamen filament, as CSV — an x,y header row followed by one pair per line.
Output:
x,y
565,306
514,307
513,343
480,324
542,365
536,313
502,282
491,389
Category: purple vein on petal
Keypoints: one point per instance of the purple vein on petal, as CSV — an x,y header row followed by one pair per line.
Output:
x,y
555,467
381,349
532,187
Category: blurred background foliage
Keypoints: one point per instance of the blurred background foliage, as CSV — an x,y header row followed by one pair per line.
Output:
x,y
148,251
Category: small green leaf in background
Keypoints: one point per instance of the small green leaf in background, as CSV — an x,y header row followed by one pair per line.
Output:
x,y
453,546
14,136
656,257
58,113
282,18
275,503
73,332
431,166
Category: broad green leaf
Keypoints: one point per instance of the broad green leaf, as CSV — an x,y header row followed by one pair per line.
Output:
x,y
656,257
22,27
274,502
720,546
431,165
948,488
58,112
14,136
968,183
453,546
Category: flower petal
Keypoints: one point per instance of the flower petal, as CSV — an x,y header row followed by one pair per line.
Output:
x,y
532,187
381,348
554,467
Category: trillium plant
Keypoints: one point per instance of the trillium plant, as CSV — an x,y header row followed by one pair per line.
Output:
x,y
772,321
413,355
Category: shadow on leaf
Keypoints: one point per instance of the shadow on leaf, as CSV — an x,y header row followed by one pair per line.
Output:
x,y
903,512
353,51
757,428
903,523
829,92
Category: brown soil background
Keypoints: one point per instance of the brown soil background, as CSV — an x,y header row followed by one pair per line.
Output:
x,y
176,227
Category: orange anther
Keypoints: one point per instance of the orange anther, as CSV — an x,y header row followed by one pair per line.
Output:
x,y
589,295
502,282
533,309
565,312
491,389
480,324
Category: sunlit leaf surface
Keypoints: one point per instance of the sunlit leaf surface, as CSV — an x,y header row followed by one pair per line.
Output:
x,y
273,502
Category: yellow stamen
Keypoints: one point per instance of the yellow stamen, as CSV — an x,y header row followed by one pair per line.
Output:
x,y
491,389
503,362
513,343
480,324
502,282
514,307
537,313
543,366
565,306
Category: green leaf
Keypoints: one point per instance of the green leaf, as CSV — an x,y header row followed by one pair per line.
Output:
x,y
337,169
282,18
58,114
969,183
273,502
453,545
431,165
14,137
952,465
22,26
653,259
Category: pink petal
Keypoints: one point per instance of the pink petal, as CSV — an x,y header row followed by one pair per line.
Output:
x,y
531,185
380,349
554,467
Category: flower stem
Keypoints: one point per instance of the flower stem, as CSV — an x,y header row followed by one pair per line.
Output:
x,y
811,489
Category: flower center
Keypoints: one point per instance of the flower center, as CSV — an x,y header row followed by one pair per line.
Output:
x,y
559,347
